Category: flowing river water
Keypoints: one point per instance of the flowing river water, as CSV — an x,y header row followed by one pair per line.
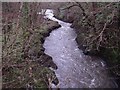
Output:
x,y
75,70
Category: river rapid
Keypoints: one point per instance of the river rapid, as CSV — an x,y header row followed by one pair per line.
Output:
x,y
75,70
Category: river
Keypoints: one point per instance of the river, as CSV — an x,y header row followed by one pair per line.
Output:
x,y
75,70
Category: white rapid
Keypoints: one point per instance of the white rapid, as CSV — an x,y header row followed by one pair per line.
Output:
x,y
75,70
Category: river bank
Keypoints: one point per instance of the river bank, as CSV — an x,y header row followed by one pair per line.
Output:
x,y
28,67
86,33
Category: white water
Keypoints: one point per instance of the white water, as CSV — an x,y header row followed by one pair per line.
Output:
x,y
75,70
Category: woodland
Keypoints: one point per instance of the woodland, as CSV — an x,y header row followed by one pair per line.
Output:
x,y
24,63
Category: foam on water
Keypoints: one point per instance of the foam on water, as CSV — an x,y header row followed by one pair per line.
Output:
x,y
75,70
